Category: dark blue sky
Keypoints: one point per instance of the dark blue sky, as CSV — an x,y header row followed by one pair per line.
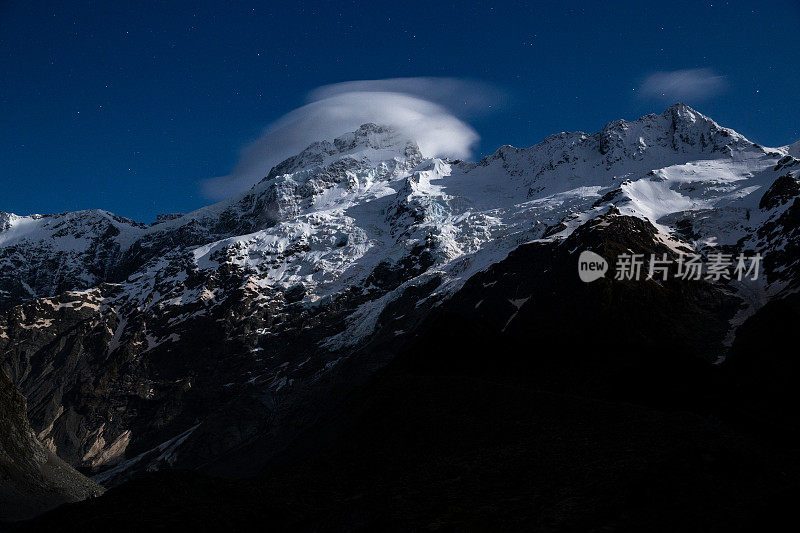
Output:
x,y
129,108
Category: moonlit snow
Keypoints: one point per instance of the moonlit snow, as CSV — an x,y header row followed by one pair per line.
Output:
x,y
328,216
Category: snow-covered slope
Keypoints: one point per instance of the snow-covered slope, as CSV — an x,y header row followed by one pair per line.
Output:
x,y
794,149
285,281
369,197
47,254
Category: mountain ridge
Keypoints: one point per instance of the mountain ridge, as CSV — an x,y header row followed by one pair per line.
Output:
x,y
273,291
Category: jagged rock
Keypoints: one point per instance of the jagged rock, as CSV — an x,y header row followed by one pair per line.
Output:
x,y
781,191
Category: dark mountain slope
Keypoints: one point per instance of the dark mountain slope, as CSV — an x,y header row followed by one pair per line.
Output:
x,y
32,479
422,452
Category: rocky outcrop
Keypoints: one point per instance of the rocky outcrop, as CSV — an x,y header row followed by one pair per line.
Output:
x,y
781,191
32,478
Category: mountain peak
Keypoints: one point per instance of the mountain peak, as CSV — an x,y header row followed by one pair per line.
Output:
x,y
679,128
680,107
674,114
369,135
6,219
683,113
371,141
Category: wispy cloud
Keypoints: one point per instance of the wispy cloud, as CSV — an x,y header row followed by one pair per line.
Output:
x,y
421,108
683,85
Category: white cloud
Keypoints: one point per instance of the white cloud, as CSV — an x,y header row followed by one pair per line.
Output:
x,y
683,85
416,107
463,97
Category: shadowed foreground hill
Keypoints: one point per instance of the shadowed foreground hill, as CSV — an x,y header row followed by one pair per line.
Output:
x,y
32,479
453,452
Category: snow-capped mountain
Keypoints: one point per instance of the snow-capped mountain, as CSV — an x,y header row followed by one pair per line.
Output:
x,y
144,346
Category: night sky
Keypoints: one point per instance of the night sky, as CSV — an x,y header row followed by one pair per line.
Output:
x,y
129,107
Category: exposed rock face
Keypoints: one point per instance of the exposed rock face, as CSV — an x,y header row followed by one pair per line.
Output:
x,y
180,344
32,478
783,190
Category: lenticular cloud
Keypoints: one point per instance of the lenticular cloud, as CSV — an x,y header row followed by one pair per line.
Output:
x,y
342,108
